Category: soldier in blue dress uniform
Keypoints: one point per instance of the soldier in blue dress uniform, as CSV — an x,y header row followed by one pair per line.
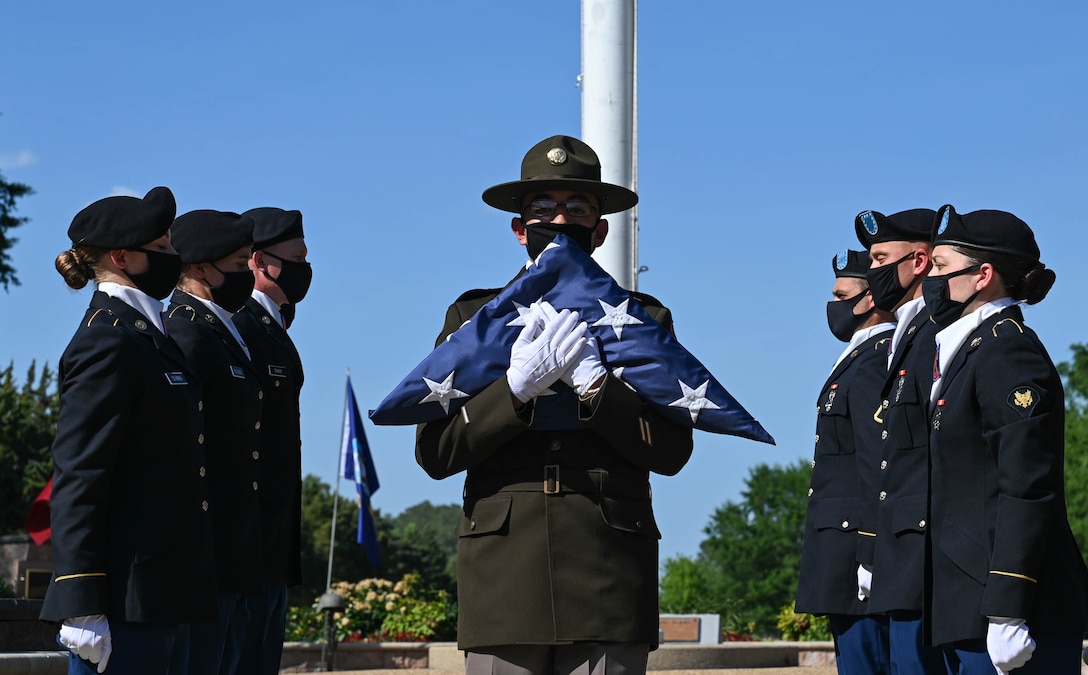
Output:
x,y
892,536
1007,587
215,282
132,547
281,279
844,468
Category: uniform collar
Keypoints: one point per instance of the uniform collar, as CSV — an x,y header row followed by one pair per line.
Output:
x,y
136,299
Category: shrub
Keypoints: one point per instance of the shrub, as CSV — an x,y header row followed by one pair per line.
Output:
x,y
802,627
379,610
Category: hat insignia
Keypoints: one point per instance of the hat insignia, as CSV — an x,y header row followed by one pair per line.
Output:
x,y
557,156
944,222
869,221
841,260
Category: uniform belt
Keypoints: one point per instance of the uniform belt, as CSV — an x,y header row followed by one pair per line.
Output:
x,y
553,479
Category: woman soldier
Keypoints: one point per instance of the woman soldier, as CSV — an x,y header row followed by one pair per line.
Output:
x,y
1007,583
131,533
216,282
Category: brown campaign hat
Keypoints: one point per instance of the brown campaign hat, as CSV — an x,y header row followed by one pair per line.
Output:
x,y
560,163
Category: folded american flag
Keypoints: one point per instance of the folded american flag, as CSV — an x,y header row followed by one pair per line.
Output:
x,y
634,347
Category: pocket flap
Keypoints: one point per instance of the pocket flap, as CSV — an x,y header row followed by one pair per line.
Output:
x,y
835,513
910,514
630,516
489,516
964,552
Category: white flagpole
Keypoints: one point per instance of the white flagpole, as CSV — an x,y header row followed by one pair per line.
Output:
x,y
336,493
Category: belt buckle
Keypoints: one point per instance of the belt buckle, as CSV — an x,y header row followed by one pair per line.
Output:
x,y
551,479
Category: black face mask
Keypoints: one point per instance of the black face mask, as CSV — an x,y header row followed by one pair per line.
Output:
x,y
294,279
841,318
884,284
541,234
235,290
943,308
163,271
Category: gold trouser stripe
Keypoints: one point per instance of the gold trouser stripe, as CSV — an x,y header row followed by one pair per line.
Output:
x,y
867,534
1014,575
78,576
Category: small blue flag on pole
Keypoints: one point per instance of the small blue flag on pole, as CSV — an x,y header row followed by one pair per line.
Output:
x,y
357,464
634,347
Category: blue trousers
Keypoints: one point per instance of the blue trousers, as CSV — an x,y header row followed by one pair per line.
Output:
x,y
861,644
139,649
1052,656
216,647
910,655
264,640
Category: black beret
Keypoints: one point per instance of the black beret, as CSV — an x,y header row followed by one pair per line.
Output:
x,y
124,222
272,225
873,227
206,235
848,263
996,231
560,163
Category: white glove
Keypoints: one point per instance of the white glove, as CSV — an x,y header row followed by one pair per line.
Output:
x,y
543,352
1008,643
865,582
587,370
88,637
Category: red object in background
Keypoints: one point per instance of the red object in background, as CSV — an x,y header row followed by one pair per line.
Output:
x,y
37,521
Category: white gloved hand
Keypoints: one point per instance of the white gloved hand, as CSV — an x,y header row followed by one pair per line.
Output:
x,y
88,637
865,582
1008,643
587,369
543,352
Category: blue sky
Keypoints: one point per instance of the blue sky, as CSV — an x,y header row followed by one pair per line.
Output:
x,y
764,128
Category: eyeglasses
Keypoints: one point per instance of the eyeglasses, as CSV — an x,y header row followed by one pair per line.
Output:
x,y
546,208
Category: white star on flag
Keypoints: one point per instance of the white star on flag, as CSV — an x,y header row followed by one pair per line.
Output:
x,y
524,312
617,317
443,392
694,400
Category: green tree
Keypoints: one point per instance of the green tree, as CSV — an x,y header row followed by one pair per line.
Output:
x,y
747,566
28,422
1075,374
9,192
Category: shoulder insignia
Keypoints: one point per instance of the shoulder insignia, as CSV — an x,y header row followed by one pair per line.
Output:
x,y
854,353
1023,400
95,316
184,308
140,324
1000,323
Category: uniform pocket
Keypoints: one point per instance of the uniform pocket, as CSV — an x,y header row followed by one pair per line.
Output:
x,y
834,432
490,515
909,514
630,516
968,555
836,513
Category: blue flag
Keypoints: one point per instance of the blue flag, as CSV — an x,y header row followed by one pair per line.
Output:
x,y
634,347
356,464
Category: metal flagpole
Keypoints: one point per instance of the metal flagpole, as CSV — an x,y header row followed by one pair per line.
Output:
x,y
336,493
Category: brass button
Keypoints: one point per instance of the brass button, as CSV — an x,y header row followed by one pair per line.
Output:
x,y
254,485
277,383
555,445
256,455
884,404
257,425
922,523
883,464
884,435
472,524
813,464
845,524
883,495
204,504
202,472
260,395
200,406
817,438
810,492
200,439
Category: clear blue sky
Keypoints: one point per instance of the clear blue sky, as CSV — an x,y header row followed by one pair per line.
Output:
x,y
764,128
